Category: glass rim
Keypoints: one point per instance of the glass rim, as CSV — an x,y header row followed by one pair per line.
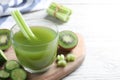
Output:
x,y
49,42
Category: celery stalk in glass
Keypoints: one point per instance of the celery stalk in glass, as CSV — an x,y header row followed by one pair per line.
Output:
x,y
19,23
23,25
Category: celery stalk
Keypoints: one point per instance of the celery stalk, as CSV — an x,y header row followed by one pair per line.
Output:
x,y
59,15
25,26
62,9
22,24
18,22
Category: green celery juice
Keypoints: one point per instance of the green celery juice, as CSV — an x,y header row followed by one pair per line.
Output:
x,y
38,54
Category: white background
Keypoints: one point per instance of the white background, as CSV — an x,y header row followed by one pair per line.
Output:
x,y
99,22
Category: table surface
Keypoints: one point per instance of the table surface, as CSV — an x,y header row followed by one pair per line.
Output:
x,y
98,22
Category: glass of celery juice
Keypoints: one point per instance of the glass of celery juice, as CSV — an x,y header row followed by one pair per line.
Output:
x,y
36,56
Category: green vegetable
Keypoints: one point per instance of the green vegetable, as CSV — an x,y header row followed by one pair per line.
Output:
x,y
23,25
60,57
58,15
59,11
3,58
18,74
70,57
61,63
12,71
4,75
12,64
62,9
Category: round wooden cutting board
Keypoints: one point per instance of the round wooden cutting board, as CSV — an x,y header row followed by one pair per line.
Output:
x,y
54,72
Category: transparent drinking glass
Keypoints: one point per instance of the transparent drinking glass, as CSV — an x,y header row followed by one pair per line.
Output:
x,y
36,56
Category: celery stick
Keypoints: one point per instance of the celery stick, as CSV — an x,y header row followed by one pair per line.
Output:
x,y
62,8
59,15
25,26
20,25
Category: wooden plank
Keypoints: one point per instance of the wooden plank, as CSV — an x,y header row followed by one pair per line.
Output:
x,y
56,73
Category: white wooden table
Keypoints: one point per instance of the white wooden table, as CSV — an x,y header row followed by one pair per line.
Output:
x,y
99,23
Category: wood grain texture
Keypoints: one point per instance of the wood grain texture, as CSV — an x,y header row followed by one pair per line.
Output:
x,y
54,72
